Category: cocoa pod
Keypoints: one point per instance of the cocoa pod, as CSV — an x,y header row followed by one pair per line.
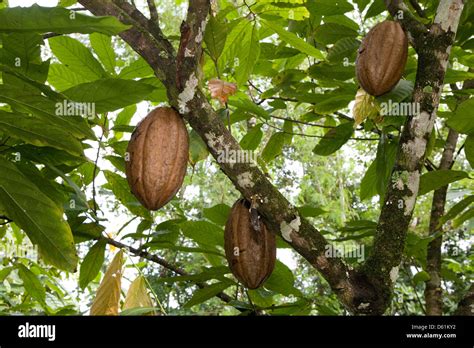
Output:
x,y
382,58
157,157
250,252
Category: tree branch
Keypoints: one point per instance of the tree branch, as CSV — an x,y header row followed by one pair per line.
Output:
x,y
153,11
466,305
416,30
382,265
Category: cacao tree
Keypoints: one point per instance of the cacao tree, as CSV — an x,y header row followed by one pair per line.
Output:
x,y
342,130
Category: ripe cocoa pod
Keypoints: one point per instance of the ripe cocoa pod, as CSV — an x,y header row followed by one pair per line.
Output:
x,y
382,58
250,251
157,157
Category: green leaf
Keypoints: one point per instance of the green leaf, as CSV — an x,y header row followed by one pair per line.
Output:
x,y
469,149
293,40
439,178
215,36
197,148
368,187
311,211
247,54
375,8
456,209
110,94
334,139
328,7
246,104
203,232
76,57
343,48
92,263
102,45
274,147
252,139
421,277
137,69
461,121
467,215
217,214
56,19
34,131
32,284
282,281
38,216
61,77
329,33
204,294
400,92
121,190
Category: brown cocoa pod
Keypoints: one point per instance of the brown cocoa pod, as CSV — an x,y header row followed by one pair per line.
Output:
x,y
250,251
382,58
157,157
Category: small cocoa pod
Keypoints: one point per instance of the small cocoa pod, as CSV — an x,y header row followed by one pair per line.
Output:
x,y
157,157
382,58
250,252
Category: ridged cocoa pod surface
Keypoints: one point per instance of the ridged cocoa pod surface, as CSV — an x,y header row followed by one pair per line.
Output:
x,y
157,157
251,253
382,58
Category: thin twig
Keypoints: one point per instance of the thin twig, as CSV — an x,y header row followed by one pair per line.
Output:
x,y
418,8
153,11
95,165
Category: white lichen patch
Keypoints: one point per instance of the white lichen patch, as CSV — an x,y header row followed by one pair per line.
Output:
x,y
394,274
363,305
414,148
420,124
216,143
244,180
200,33
412,184
287,228
188,53
187,94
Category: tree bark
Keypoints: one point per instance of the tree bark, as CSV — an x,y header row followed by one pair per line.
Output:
x,y
367,290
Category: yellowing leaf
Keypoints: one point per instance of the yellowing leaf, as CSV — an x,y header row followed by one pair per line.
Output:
x,y
365,107
137,295
107,298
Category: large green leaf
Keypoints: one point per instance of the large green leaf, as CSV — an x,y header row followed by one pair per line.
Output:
x,y
45,109
247,53
469,149
217,214
204,294
274,147
439,178
215,37
334,139
32,284
61,77
102,45
328,7
329,33
56,19
252,139
203,232
457,209
462,120
38,216
137,69
121,190
92,263
293,40
34,131
76,57
282,280
110,94
343,48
